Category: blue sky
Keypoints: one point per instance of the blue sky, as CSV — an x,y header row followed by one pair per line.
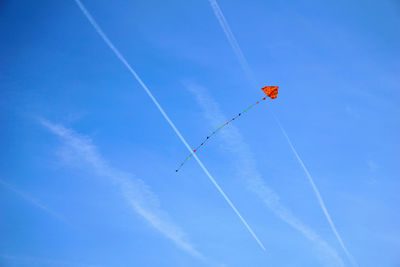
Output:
x,y
87,169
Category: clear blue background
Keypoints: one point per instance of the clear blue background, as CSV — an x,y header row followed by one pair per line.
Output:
x,y
337,64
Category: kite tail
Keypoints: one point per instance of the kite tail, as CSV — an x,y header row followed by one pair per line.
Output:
x,y
216,131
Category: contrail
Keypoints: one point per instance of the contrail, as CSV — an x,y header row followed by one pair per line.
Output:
x,y
34,202
232,40
123,60
320,200
249,73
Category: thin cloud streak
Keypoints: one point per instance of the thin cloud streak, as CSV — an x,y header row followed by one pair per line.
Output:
x,y
320,200
243,62
235,144
34,202
135,191
127,65
233,42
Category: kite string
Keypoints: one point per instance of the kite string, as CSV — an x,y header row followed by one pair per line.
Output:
x,y
214,132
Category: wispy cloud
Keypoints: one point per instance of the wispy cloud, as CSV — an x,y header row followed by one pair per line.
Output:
x,y
143,85
236,145
34,202
372,165
136,193
249,73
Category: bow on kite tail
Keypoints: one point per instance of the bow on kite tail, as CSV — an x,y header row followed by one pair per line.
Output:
x,y
270,91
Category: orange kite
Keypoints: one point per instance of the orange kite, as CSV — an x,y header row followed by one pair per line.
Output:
x,y
271,91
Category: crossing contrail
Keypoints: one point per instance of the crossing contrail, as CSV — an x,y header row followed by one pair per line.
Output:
x,y
128,66
249,73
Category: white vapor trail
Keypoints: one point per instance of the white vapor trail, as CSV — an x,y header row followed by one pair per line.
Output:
x,y
243,62
232,40
34,202
320,200
135,191
127,65
236,145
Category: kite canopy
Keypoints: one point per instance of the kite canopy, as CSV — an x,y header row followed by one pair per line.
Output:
x,y
271,91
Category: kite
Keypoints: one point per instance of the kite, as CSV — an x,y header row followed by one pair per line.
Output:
x,y
270,91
